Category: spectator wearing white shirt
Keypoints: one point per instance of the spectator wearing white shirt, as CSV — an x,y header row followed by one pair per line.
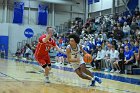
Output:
x,y
126,29
107,57
119,64
114,55
28,51
99,57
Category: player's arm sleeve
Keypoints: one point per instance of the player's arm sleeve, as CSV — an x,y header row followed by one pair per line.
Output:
x,y
54,43
41,38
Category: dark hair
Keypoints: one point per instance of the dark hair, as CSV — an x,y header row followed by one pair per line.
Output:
x,y
121,48
75,37
48,28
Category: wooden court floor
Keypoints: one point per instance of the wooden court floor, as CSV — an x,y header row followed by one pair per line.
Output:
x,y
18,77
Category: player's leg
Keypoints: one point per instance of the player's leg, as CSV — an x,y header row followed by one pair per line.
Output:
x,y
47,68
86,71
82,75
47,71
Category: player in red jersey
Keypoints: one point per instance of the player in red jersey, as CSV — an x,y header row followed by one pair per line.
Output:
x,y
45,43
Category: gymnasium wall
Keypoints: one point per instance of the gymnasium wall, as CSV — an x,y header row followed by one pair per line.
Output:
x,y
63,12
11,33
103,7
14,33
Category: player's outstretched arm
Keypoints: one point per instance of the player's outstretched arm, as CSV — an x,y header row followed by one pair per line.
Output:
x,y
59,49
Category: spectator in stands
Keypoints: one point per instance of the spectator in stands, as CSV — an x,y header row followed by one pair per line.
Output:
x,y
28,51
137,33
114,55
135,50
138,58
126,29
138,20
133,27
107,57
59,58
129,19
119,64
126,43
18,53
99,57
137,12
33,46
132,44
114,44
23,50
2,51
129,56
117,32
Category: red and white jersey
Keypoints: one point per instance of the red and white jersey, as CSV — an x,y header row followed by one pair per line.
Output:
x,y
42,48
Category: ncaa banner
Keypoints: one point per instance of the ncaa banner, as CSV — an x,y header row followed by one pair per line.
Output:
x,y
18,12
90,2
42,14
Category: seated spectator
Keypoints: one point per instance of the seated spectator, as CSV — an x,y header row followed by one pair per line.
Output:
x,y
126,43
126,29
135,50
2,52
107,57
99,57
18,53
119,64
138,58
113,57
133,27
28,51
129,56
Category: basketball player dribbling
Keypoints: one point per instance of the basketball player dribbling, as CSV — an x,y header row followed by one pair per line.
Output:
x,y
76,60
45,43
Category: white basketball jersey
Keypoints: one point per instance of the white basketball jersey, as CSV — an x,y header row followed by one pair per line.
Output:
x,y
75,53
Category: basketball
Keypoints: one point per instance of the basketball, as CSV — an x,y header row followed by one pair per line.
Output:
x,y
87,58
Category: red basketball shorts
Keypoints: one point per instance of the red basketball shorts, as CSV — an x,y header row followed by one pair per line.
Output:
x,y
43,60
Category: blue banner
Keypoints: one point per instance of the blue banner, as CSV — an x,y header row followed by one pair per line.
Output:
x,y
42,15
95,1
132,4
18,12
4,40
90,2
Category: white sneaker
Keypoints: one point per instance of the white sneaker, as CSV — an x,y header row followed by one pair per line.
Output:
x,y
117,71
106,70
112,71
47,80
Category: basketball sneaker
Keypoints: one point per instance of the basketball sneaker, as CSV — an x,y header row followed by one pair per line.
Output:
x,y
98,79
92,83
47,80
